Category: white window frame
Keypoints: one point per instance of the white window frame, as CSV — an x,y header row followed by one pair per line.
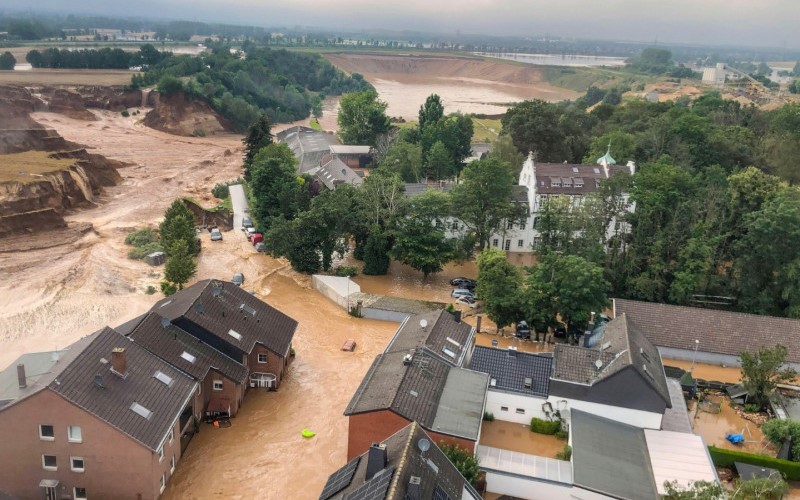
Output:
x,y
265,358
520,243
161,453
70,437
521,411
221,385
47,438
163,483
171,435
49,467
172,464
72,464
75,493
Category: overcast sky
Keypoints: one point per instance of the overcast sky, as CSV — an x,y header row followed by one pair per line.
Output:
x,y
724,22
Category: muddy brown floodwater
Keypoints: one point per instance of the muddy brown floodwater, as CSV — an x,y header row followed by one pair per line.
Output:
x,y
715,426
519,437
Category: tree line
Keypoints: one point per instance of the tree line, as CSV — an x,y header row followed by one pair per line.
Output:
x,y
105,58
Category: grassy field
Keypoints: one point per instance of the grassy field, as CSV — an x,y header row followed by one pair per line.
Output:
x,y
483,129
67,77
29,166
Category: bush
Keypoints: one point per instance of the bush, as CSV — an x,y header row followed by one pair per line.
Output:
x,y
125,113
565,454
726,458
751,408
169,85
779,430
545,426
221,190
145,241
150,290
345,271
138,253
562,434
488,416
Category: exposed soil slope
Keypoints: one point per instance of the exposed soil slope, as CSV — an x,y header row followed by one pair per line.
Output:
x,y
175,114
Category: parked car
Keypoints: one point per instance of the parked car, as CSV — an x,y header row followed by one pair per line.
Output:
x,y
462,292
349,345
246,222
216,235
463,283
238,279
257,238
523,331
261,247
467,301
250,231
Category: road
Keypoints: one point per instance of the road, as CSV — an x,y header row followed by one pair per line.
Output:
x,y
240,207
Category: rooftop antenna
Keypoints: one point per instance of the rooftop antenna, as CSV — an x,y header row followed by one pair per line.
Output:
x,y
423,445
598,364
423,323
165,323
199,308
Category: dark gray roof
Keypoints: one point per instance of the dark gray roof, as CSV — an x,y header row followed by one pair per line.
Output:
x,y
406,459
588,175
171,343
427,390
748,472
617,344
610,457
308,145
509,370
112,402
127,327
442,335
676,418
333,171
417,188
219,314
720,332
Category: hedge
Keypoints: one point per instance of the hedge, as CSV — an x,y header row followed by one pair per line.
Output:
x,y
726,458
545,426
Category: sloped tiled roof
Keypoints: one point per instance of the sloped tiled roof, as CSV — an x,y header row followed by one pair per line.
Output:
x,y
508,371
588,174
171,343
576,364
226,309
405,457
721,332
426,390
416,188
112,401
333,171
442,332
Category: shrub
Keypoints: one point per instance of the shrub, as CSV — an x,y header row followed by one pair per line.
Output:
x,y
138,253
169,85
565,454
125,113
221,190
141,237
150,290
751,408
465,462
488,416
779,430
545,426
168,288
562,434
346,271
726,458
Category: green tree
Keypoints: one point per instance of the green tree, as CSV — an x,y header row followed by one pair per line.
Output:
x,y
763,371
464,461
362,118
499,284
169,85
652,60
7,61
439,163
419,238
180,265
533,126
483,201
779,430
259,135
274,184
698,490
503,149
405,160
178,226
623,147
430,112
376,252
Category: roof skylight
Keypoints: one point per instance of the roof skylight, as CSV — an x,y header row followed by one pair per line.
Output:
x,y
233,333
188,357
141,410
163,378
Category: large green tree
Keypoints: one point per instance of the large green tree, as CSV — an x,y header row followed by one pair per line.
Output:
x,y
762,371
499,284
534,126
362,118
439,162
7,61
276,189
483,200
430,112
405,160
180,265
258,136
419,239
178,226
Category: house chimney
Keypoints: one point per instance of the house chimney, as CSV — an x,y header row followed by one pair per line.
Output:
x,y
414,491
512,351
21,376
376,459
118,363
457,316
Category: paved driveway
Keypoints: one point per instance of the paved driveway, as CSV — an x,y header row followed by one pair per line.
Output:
x,y
240,207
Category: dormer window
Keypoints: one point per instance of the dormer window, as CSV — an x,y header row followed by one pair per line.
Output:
x,y
566,182
555,182
578,181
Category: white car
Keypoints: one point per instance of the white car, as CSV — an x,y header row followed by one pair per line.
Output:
x,y
466,301
216,235
462,292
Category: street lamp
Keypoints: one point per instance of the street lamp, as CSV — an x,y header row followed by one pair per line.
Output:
x,y
694,356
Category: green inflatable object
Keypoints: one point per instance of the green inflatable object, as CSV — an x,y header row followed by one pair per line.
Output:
x,y
308,434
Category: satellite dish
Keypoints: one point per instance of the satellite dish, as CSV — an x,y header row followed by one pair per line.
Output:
x,y
423,445
423,323
199,308
216,291
598,364
164,322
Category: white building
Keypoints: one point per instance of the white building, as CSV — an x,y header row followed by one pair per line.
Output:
x,y
715,75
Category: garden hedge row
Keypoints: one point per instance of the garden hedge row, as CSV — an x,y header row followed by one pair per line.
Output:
x,y
726,458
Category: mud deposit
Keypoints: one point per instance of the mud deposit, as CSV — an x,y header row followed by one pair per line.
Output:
x,y
713,427
520,438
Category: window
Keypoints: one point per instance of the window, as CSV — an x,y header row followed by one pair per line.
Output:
x,y
507,245
218,385
74,434
76,463
172,464
79,493
235,334
141,410
163,483
495,242
163,378
510,225
521,226
504,408
262,358
188,357
578,182
519,243
455,226
161,454
537,241
49,462
171,435
521,411
536,223
47,433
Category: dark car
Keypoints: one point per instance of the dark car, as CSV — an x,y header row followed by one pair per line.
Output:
x,y
246,222
464,283
261,247
523,331
238,279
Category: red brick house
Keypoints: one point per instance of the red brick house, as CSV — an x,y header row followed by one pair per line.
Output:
x,y
222,380
237,324
413,386
103,418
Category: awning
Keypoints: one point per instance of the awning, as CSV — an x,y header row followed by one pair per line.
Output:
x,y
219,405
48,483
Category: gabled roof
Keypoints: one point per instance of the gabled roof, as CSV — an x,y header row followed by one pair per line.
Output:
x,y
333,171
435,471
220,307
610,457
617,345
112,401
347,149
183,351
546,173
442,336
416,188
308,145
424,389
721,332
510,371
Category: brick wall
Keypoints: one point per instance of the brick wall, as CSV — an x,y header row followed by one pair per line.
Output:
x,y
367,428
275,363
230,390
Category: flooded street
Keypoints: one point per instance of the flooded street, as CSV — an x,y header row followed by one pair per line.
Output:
x,y
727,374
715,426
